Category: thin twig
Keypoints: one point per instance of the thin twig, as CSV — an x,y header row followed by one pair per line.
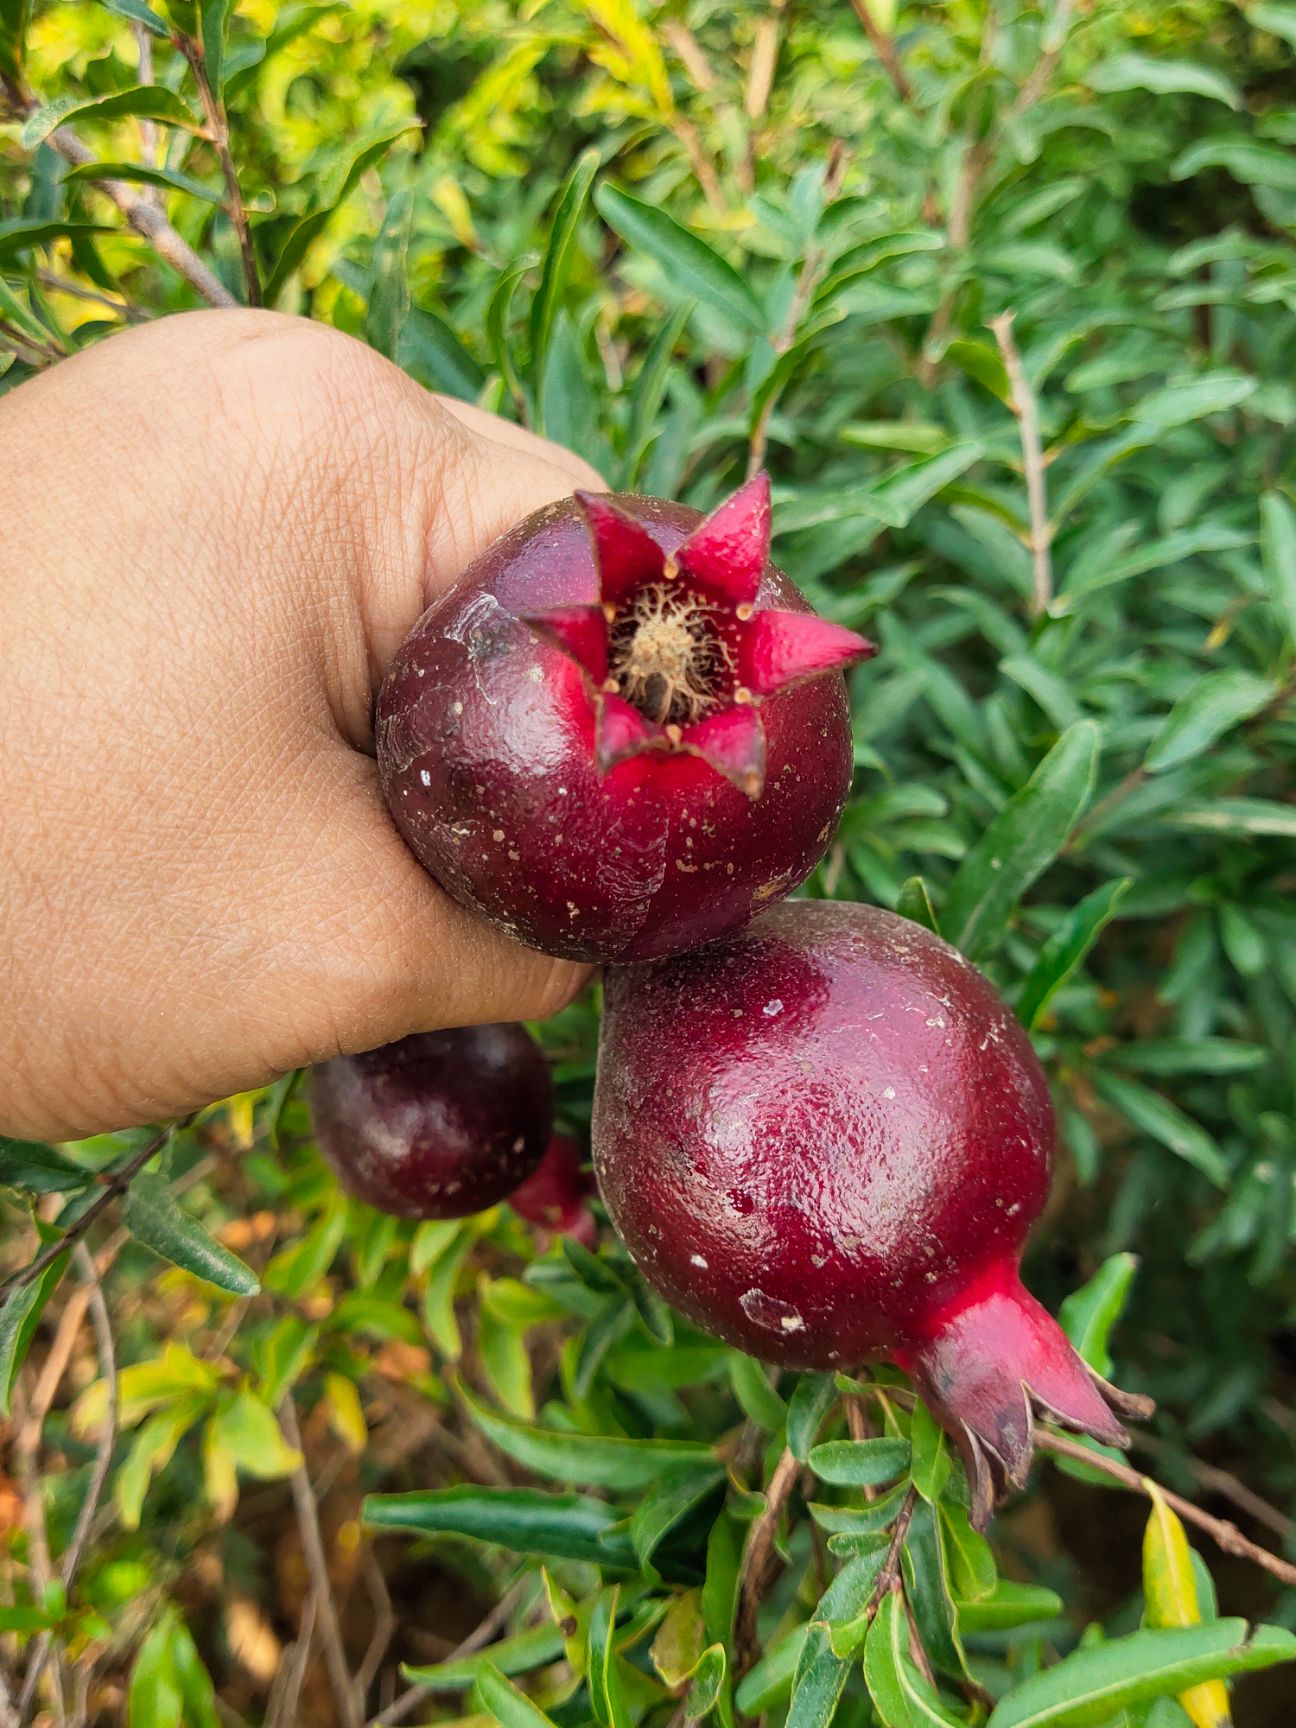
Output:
x,y
757,1557
1227,1536
26,1450
308,1525
148,130
477,1639
116,1185
148,220
807,281
889,1576
62,285
689,51
1225,1484
884,48
290,1677
218,125
1024,407
103,1460
384,1623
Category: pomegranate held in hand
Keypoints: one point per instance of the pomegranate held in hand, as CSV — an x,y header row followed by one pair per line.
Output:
x,y
624,731
556,1195
825,1139
438,1125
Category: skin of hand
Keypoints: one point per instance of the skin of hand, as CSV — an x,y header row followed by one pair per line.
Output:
x,y
217,529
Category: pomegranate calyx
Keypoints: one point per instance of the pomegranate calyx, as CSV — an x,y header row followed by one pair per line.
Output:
x,y
678,642
996,1364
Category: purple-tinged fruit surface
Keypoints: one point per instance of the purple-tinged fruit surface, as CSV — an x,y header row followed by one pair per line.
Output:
x,y
825,1139
556,1195
624,732
438,1125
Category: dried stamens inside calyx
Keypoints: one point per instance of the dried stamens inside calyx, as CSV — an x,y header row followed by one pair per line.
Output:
x,y
668,655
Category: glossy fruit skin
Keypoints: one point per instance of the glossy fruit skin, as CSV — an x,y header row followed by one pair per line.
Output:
x,y
486,749
825,1139
557,1193
437,1125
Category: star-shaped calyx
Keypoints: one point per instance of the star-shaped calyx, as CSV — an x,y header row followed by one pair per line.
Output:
x,y
675,653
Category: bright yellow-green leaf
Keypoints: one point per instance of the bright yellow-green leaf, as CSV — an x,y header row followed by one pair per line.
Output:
x,y
1170,1589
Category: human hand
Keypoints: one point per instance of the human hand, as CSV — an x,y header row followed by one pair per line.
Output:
x,y
217,530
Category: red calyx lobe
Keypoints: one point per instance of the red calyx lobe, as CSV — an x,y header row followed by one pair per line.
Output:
x,y
437,1125
557,1194
675,653
825,1139
494,736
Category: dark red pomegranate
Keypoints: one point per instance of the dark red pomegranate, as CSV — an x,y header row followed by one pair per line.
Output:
x,y
825,1139
557,1193
624,731
438,1125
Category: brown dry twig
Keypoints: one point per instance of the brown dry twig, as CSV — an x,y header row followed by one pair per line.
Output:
x,y
1225,1535
1022,402
885,49
218,126
758,1558
477,1639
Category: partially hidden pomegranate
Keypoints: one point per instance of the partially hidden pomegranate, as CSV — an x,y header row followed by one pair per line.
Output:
x,y
556,1195
437,1125
825,1139
624,731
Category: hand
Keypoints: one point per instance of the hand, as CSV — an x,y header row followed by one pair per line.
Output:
x,y
217,530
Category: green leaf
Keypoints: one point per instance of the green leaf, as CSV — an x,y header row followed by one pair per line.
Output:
x,y
755,1394
568,408
534,1648
139,13
1278,549
1096,569
1238,816
666,1505
689,264
214,19
1190,399
1278,20
1163,78
20,234
140,102
899,495
602,1674
914,903
1088,1314
930,1464
195,1682
141,173
371,150
150,1452
559,254
1213,706
153,1218
1021,842
812,1398
19,1317
1247,159
39,1169
900,1694
247,1431
521,1520
593,1460
1009,1605
435,357
650,388
1165,1123
1192,1056
768,1683
860,1463
509,1707
981,362
1087,1688
155,1698
1065,950
389,296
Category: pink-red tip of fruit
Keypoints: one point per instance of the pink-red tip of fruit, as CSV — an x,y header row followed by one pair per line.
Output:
x,y
625,553
733,743
580,632
779,649
727,555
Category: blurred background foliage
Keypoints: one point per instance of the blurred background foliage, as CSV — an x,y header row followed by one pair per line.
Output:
x,y
691,238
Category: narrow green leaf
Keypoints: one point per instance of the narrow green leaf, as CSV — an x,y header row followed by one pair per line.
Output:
x,y
593,1460
914,903
1278,549
1250,160
1065,950
1007,1606
812,1398
1088,1314
15,16
1238,816
170,179
214,19
1165,1123
370,151
139,13
153,1218
689,264
666,1505
650,389
435,357
39,1169
559,253
522,1520
752,1388
155,1698
509,1707
389,296
1213,706
141,102
1163,78
1021,842
819,1682
769,1682
860,1463
20,233
901,1696
534,1648
1087,1688
19,1317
